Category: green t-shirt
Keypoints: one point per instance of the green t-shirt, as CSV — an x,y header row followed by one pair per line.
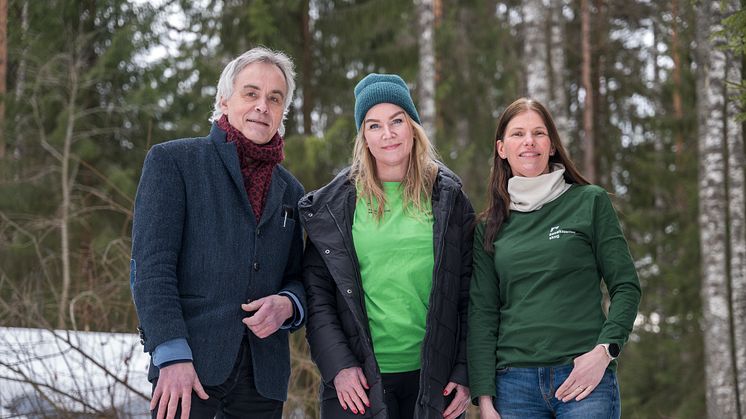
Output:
x,y
537,301
396,265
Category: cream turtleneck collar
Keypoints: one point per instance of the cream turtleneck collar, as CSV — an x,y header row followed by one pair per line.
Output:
x,y
531,193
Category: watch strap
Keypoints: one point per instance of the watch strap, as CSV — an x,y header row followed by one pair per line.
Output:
x,y
609,351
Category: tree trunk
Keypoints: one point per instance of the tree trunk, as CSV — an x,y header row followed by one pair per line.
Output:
x,y
535,48
736,219
3,70
558,99
66,185
720,175
678,107
588,140
604,163
20,82
427,69
307,106
21,73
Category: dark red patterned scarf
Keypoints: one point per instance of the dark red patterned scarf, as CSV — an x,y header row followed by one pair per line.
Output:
x,y
257,163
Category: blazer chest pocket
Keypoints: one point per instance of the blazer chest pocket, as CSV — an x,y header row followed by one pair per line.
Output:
x,y
277,235
288,217
288,214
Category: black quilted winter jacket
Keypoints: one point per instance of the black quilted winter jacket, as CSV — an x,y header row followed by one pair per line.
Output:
x,y
337,324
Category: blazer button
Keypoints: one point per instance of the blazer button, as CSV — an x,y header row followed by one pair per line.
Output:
x,y
256,266
327,251
259,232
349,291
310,214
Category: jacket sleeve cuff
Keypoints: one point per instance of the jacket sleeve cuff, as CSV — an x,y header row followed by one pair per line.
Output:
x,y
170,351
459,375
298,315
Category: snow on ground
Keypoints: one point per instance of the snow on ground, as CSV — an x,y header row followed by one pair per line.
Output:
x,y
84,373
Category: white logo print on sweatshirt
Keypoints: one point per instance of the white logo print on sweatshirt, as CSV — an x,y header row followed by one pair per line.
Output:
x,y
554,232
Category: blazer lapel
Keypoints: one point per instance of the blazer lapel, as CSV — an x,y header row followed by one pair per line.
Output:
x,y
274,197
229,157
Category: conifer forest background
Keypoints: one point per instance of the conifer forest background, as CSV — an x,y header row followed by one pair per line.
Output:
x,y
648,96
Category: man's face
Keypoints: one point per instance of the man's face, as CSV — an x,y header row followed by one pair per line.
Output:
x,y
255,108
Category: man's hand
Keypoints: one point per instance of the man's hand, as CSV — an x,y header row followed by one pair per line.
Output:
x,y
176,382
460,400
351,385
270,313
487,409
587,372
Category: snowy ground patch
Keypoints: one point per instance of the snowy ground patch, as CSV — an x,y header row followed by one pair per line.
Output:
x,y
84,374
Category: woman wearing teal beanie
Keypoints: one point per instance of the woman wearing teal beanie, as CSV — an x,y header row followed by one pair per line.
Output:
x,y
387,269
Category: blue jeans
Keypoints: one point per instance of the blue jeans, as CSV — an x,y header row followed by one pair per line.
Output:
x,y
529,393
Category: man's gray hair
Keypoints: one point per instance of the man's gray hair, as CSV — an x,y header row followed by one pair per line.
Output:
x,y
255,55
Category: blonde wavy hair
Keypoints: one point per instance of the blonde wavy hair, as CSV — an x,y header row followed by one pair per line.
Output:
x,y
418,181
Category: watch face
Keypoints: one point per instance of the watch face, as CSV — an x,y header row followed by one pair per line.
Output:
x,y
614,350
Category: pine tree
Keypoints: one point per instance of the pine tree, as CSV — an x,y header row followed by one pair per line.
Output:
x,y
73,121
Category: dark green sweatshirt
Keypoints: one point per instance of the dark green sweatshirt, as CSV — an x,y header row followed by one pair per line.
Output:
x,y
537,301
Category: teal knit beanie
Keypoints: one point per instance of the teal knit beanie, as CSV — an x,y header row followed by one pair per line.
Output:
x,y
382,88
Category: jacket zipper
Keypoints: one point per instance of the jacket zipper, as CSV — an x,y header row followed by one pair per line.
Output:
x,y
424,395
364,322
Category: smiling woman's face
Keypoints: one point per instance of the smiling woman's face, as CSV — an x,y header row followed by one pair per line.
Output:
x,y
255,108
389,138
526,145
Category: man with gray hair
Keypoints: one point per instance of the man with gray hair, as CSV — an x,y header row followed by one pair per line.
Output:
x,y
216,253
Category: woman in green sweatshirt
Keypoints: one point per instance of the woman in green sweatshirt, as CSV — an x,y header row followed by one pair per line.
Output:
x,y
387,268
540,344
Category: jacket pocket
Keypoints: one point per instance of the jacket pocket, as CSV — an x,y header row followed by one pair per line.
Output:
x,y
327,392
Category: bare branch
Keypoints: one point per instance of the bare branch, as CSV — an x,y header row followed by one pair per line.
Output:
x,y
106,198
99,365
38,386
107,181
44,172
31,238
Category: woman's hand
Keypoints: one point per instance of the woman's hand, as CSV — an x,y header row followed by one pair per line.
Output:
x,y
351,385
460,400
586,374
487,409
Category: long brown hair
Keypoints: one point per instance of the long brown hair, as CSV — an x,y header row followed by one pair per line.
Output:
x,y
498,201
417,184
